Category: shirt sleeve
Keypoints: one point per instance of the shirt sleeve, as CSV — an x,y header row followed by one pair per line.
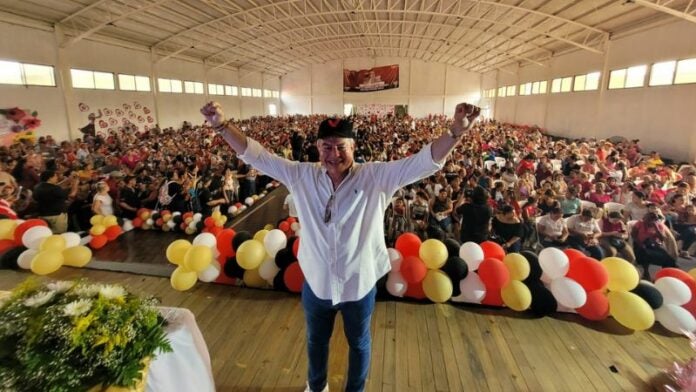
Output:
x,y
276,167
396,174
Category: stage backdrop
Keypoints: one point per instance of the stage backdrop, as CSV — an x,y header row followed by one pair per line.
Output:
x,y
373,79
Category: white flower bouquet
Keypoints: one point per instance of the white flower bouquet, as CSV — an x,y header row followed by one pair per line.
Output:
x,y
73,336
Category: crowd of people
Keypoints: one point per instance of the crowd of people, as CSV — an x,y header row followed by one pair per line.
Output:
x,y
512,184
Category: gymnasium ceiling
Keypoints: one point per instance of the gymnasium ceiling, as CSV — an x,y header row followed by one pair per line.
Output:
x,y
277,37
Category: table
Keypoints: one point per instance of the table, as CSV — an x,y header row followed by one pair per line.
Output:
x,y
187,367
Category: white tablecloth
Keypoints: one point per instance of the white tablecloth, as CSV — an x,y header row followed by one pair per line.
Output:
x,y
187,368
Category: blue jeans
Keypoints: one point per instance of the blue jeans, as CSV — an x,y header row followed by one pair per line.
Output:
x,y
320,316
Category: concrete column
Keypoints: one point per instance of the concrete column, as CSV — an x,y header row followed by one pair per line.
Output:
x,y
74,123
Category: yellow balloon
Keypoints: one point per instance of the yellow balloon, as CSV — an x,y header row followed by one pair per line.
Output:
x,y
145,215
251,254
693,272
46,262
516,295
7,228
96,220
437,286
630,310
176,251
109,221
77,256
216,215
433,253
55,242
183,279
517,265
198,258
622,275
269,227
97,230
260,235
253,279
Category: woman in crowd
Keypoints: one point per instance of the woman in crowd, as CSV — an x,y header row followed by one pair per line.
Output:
x,y
614,238
102,203
649,236
507,229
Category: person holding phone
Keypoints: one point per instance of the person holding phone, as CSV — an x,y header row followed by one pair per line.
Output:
x,y
614,237
341,205
649,236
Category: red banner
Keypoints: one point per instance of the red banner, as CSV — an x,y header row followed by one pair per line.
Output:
x,y
373,79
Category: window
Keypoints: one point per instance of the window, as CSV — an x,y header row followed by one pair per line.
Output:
x,y
565,84
170,85
176,86
535,88
561,85
133,83
542,87
579,84
246,92
585,82
272,109
628,78
216,89
256,92
686,71
193,87
26,74
276,94
267,93
231,90
510,91
556,85
92,79
501,92
662,74
348,109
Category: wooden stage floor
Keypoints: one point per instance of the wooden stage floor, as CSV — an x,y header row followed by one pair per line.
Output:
x,y
256,337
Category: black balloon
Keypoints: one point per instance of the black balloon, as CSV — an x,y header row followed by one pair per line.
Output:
x,y
177,219
8,260
452,247
534,267
155,216
543,302
284,258
649,293
291,242
457,269
239,239
279,281
199,225
232,269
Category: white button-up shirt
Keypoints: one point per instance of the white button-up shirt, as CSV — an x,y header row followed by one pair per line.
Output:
x,y
342,259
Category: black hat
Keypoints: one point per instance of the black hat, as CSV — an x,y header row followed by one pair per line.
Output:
x,y
336,127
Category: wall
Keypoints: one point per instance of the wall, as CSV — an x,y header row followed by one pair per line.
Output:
x,y
427,88
663,117
59,107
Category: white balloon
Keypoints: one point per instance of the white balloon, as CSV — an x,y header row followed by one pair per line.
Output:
x,y
85,240
32,238
295,226
673,290
395,259
210,274
568,293
169,224
545,278
24,259
554,262
268,270
197,216
192,225
274,241
472,288
472,254
205,239
396,284
297,233
71,239
249,201
675,318
128,225
175,213
232,209
149,222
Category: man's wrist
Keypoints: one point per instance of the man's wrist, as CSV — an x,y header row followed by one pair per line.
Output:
x,y
455,134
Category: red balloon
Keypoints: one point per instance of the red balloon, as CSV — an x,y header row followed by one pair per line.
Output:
x,y
6,245
113,232
26,225
573,254
187,215
284,226
98,241
291,220
140,211
413,270
209,222
238,205
215,230
597,306
159,222
296,247
415,291
137,222
493,298
294,278
224,241
165,213
691,305
674,273
408,244
492,250
589,273
494,274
